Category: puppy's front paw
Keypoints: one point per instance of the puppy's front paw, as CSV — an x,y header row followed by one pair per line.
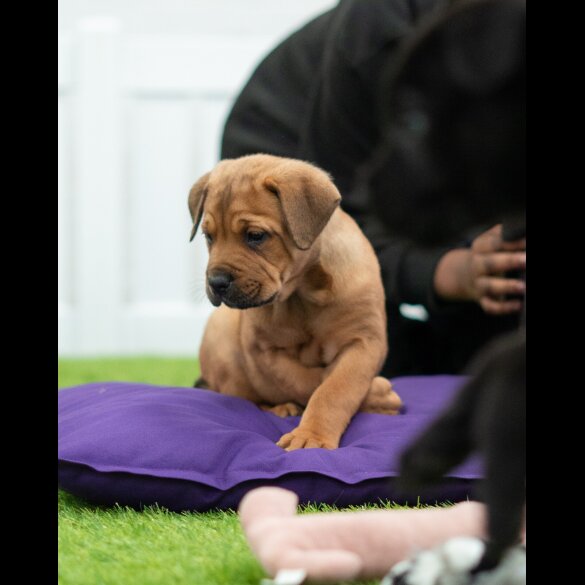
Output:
x,y
306,439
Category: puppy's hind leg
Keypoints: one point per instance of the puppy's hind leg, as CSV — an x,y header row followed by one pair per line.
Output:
x,y
381,398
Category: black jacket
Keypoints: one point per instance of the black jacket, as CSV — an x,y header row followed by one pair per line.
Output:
x,y
315,97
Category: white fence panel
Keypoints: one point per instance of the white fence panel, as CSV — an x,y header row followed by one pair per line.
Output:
x,y
140,119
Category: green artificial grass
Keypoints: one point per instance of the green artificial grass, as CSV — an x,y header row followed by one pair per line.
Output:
x,y
149,370
122,546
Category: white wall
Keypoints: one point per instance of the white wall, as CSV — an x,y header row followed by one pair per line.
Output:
x,y
144,88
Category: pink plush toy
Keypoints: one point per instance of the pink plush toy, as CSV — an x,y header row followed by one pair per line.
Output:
x,y
347,545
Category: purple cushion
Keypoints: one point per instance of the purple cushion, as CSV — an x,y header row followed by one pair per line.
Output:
x,y
192,449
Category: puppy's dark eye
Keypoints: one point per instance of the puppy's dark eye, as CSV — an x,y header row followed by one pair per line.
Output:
x,y
256,238
208,238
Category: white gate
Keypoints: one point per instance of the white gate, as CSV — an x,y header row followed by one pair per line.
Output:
x,y
140,117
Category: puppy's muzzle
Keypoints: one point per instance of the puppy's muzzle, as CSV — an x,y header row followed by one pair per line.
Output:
x,y
223,288
219,283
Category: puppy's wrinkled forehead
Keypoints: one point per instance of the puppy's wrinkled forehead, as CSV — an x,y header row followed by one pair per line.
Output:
x,y
236,188
292,195
237,199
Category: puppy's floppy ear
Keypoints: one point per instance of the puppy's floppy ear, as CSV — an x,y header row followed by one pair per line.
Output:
x,y
308,198
196,200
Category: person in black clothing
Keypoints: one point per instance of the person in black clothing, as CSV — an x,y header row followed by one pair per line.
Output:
x,y
315,97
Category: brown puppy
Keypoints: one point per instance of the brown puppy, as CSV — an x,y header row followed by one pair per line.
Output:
x,y
313,332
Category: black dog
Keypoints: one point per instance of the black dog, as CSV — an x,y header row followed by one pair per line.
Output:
x,y
455,151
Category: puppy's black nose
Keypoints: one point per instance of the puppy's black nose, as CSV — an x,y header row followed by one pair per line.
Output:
x,y
220,282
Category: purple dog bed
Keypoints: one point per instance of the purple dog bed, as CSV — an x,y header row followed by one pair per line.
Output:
x,y
192,449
